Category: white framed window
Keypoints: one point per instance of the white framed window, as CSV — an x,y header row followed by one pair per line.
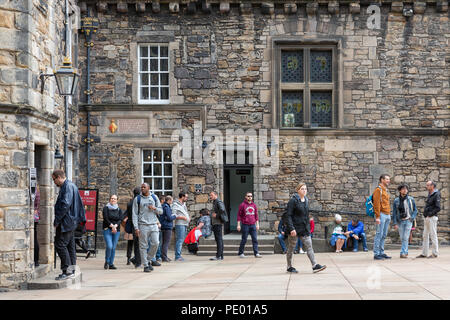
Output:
x,y
69,165
153,80
157,170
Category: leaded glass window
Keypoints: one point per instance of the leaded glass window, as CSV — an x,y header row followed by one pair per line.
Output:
x,y
306,92
157,170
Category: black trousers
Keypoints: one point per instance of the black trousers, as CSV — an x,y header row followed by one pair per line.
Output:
x,y
217,229
134,245
65,247
36,245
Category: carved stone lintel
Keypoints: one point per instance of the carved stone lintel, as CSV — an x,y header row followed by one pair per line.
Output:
x,y
122,7
83,7
397,6
311,8
191,8
140,7
245,8
267,8
355,7
290,8
333,7
420,7
156,7
224,7
174,7
102,6
442,6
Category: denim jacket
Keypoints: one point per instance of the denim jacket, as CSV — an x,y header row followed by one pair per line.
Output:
x,y
412,210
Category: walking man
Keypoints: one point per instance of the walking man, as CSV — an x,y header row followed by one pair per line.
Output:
x,y
218,216
248,215
182,220
69,212
432,207
403,214
382,210
298,226
146,207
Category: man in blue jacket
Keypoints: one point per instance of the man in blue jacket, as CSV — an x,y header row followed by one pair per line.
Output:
x,y
355,230
403,215
69,212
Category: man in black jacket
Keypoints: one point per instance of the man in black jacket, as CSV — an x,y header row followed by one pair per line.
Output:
x,y
432,207
217,220
69,212
297,225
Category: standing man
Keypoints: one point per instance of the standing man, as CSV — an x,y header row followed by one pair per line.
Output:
x,y
145,224
403,214
432,207
248,214
69,212
382,209
217,222
182,220
298,226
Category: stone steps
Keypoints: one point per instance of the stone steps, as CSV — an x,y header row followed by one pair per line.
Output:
x,y
231,243
48,282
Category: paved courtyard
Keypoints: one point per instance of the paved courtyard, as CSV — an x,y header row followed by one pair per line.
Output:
x,y
348,276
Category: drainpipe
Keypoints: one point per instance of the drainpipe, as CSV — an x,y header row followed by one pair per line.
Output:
x,y
67,53
89,26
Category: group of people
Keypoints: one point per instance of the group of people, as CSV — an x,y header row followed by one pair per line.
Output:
x,y
149,221
403,214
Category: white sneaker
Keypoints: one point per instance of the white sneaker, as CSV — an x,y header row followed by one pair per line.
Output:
x,y
241,255
258,255
302,252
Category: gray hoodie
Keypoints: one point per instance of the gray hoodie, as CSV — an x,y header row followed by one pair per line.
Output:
x,y
180,209
146,216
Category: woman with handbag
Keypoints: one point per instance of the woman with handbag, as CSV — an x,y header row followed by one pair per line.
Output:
x,y
112,218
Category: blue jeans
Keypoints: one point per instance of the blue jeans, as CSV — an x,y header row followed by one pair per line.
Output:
x,y
362,237
180,235
380,236
246,229
283,244
111,244
404,228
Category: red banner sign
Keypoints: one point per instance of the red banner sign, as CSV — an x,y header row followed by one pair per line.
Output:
x,y
90,201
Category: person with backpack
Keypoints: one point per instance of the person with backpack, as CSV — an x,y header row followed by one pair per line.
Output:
x,y
112,218
403,214
166,220
430,214
146,207
382,212
219,217
298,226
248,215
181,223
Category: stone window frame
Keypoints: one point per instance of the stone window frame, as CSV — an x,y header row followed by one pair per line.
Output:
x,y
174,97
150,101
279,43
143,162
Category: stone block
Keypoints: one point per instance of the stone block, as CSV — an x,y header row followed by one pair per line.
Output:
x,y
420,7
333,145
9,179
13,197
426,153
195,180
268,195
6,19
19,159
17,218
202,198
325,195
435,142
13,240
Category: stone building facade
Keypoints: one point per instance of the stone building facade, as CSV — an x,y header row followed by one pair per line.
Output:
x,y
31,128
355,90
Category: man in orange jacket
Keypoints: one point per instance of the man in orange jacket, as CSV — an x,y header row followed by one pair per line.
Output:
x,y
382,210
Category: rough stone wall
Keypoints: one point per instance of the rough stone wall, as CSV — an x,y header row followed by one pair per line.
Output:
x,y
392,80
30,43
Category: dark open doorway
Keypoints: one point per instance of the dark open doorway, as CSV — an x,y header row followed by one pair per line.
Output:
x,y
238,179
